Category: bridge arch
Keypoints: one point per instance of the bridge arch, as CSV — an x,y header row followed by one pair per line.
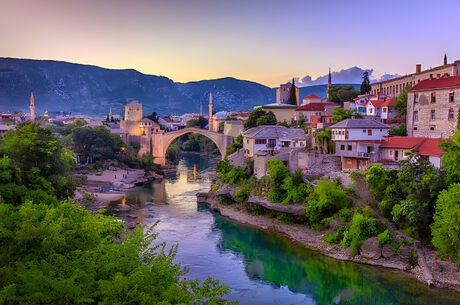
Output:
x,y
163,140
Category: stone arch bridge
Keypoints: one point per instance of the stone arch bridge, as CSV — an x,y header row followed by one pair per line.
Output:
x,y
158,142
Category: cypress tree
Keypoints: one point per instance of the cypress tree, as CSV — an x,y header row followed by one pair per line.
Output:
x,y
292,96
365,86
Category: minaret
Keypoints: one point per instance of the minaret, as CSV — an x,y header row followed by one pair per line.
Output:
x,y
210,112
201,108
329,83
110,114
32,106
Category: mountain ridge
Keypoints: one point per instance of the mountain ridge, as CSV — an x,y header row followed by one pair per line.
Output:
x,y
90,89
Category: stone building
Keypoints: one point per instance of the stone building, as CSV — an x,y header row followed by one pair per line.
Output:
x,y
283,92
433,107
133,127
395,86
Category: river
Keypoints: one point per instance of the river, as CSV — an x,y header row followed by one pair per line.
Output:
x,y
261,267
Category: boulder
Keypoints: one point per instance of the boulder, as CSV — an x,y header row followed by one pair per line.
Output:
x,y
387,251
405,251
371,248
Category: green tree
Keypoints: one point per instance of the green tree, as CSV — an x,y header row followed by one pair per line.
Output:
x,y
361,229
341,94
451,158
201,122
365,85
341,114
446,226
323,138
292,94
154,117
238,144
401,102
96,142
277,172
260,117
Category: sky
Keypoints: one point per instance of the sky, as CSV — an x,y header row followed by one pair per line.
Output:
x,y
268,42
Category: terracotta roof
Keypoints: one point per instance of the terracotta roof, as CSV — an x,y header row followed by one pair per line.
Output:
x,y
437,83
402,142
312,96
430,147
314,107
384,103
167,120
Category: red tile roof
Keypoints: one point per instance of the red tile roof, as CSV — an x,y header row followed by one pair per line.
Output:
x,y
402,142
168,120
430,147
312,96
437,83
384,103
314,107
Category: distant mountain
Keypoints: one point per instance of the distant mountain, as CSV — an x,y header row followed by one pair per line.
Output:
x,y
85,89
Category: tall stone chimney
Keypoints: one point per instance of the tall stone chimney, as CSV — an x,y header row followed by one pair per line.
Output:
x,y
418,68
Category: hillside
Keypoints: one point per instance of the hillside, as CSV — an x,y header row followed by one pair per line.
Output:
x,y
89,89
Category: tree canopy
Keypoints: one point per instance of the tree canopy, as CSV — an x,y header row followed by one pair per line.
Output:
x,y
341,114
260,117
401,102
341,94
292,94
201,122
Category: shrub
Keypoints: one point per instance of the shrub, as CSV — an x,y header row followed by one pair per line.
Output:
x,y
243,194
361,229
215,187
385,237
345,215
413,259
325,200
278,172
226,200
446,226
331,238
237,175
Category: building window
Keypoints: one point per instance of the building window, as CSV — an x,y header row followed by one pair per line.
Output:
x,y
391,153
451,97
369,132
364,130
247,141
451,114
384,109
415,128
416,98
432,128
342,147
261,141
415,116
433,97
370,110
432,115
349,147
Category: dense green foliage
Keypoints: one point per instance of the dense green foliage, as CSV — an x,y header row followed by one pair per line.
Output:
x,y
34,164
341,94
446,225
361,229
237,144
325,201
260,117
201,122
285,187
451,158
341,114
324,140
401,103
233,175
365,85
58,253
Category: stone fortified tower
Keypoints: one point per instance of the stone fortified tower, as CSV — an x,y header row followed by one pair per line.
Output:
x,y
210,112
133,111
32,106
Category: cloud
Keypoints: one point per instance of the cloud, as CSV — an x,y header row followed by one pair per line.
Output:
x,y
353,75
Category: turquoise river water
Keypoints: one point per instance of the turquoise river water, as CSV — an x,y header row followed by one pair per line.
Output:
x,y
261,267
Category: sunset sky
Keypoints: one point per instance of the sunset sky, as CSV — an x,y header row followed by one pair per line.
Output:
x,y
264,41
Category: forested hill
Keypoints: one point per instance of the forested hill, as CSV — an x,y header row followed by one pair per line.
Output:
x,y
86,89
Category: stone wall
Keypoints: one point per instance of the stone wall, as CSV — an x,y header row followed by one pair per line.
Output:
x,y
441,126
318,164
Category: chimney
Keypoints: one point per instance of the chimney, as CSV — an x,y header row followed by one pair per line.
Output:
x,y
378,96
418,68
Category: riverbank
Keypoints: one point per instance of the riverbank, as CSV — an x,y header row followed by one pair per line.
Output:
x,y
430,269
107,185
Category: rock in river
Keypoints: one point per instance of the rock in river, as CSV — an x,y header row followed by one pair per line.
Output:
x,y
371,248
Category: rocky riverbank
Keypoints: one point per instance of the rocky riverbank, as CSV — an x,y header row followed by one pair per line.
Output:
x,y
430,268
